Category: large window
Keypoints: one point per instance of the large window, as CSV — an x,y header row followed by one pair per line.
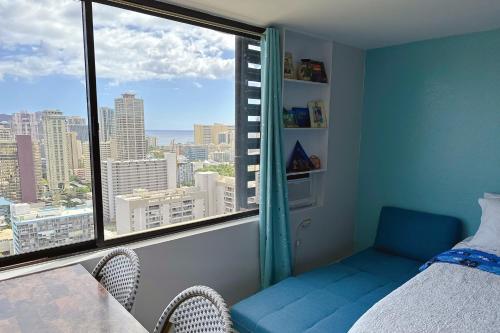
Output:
x,y
129,124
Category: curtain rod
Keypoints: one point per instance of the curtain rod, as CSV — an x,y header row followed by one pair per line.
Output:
x,y
174,11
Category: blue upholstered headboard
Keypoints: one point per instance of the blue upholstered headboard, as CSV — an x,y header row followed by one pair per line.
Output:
x,y
416,235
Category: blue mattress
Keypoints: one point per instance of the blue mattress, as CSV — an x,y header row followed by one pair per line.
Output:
x,y
329,299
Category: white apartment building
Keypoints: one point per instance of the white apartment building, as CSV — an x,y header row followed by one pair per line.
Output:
x,y
224,156
25,123
130,132
108,149
123,177
56,152
144,209
86,163
36,228
107,124
220,190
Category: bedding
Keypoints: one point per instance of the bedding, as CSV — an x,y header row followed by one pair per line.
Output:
x,y
443,298
488,234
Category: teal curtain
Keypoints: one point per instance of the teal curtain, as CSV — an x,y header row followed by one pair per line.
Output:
x,y
275,250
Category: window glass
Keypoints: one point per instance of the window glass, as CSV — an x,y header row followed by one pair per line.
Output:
x,y
167,105
45,171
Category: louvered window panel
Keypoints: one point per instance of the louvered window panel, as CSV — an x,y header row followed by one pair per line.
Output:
x,y
247,149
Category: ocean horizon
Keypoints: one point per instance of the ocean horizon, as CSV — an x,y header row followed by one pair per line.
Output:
x,y
165,137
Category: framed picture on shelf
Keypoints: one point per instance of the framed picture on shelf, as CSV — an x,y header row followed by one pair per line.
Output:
x,y
289,72
317,114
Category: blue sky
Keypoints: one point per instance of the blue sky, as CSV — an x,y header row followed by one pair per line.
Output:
x,y
184,74
174,104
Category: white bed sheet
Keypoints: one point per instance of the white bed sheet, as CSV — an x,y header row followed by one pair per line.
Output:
x,y
443,298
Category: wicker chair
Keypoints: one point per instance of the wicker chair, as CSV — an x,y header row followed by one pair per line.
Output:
x,y
198,309
119,272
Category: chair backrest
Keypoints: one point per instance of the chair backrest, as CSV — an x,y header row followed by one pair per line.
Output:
x,y
119,272
197,309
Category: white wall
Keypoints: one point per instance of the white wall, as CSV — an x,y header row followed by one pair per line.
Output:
x,y
330,236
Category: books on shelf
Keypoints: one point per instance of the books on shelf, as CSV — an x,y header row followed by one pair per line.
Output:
x,y
314,116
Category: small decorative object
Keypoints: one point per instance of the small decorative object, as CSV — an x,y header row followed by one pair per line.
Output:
x,y
289,72
318,72
317,114
289,119
302,117
298,161
315,161
304,71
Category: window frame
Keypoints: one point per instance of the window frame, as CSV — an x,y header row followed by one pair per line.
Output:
x,y
158,9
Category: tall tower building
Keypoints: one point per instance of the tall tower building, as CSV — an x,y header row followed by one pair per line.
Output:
x,y
130,133
78,125
5,131
74,150
56,152
27,169
25,123
202,134
9,171
107,124
86,161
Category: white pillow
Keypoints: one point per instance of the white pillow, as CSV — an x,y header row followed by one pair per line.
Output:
x,y
491,195
487,236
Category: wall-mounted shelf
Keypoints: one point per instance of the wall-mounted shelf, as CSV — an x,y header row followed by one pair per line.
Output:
x,y
305,172
313,83
309,186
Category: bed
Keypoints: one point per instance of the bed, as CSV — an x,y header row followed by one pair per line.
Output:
x,y
444,297
330,299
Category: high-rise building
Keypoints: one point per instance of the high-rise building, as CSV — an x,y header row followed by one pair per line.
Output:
x,y
25,123
73,145
87,168
78,125
224,156
5,131
108,149
220,191
202,134
185,174
123,177
56,152
144,209
107,124
211,134
9,171
130,132
195,152
37,228
27,169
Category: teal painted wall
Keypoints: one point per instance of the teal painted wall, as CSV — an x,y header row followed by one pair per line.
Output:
x,y
431,129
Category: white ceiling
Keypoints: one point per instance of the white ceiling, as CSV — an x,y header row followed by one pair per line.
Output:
x,y
362,23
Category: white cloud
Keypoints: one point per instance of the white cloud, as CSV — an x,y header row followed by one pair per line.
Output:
x,y
39,38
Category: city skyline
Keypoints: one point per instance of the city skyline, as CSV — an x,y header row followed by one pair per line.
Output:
x,y
45,176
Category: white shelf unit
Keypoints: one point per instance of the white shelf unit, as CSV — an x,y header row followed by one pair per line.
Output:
x,y
297,93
